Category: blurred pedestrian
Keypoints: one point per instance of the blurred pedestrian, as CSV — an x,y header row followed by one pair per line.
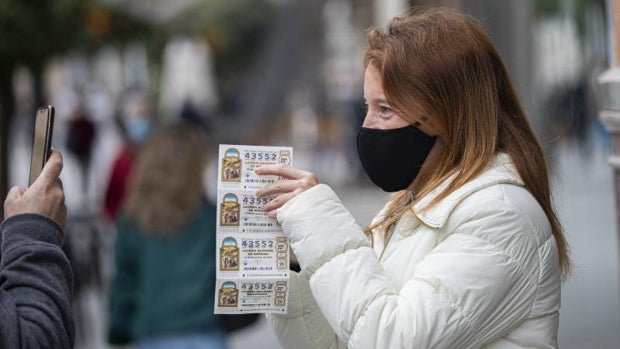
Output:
x,y
35,275
469,252
81,136
136,119
164,284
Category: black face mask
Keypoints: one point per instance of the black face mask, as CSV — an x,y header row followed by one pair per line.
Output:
x,y
393,158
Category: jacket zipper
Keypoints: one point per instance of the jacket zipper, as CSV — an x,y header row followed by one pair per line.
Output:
x,y
392,226
391,229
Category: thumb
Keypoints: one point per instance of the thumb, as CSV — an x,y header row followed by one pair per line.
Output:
x,y
51,171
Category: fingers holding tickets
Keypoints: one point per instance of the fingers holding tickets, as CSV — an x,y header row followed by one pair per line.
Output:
x,y
292,182
291,178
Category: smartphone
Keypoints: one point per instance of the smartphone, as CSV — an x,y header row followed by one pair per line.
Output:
x,y
42,141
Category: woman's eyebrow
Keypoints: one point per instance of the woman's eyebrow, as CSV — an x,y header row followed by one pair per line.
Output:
x,y
378,100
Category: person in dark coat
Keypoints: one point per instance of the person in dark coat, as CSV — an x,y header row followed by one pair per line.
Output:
x,y
35,275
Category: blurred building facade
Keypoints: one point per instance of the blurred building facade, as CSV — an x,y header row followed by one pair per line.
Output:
x,y
301,83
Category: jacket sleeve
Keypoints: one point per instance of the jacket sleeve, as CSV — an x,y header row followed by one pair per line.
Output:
x,y
123,294
465,293
304,326
35,285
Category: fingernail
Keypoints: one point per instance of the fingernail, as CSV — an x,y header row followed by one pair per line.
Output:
x,y
259,193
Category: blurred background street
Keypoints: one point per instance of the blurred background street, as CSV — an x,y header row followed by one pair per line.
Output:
x,y
286,72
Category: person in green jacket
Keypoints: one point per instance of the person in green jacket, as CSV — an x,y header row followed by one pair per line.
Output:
x,y
163,288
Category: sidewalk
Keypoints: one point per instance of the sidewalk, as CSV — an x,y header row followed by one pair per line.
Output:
x,y
590,314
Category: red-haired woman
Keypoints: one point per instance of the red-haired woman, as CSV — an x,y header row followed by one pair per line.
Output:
x,y
468,253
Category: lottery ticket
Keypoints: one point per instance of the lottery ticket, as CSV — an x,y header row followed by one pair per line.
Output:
x,y
252,255
237,296
237,164
252,252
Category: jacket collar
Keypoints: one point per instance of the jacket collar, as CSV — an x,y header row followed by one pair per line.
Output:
x,y
500,170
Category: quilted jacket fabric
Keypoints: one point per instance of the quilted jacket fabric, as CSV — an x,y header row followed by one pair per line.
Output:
x,y
478,270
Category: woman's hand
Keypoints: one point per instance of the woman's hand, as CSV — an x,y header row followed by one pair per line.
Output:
x,y
292,182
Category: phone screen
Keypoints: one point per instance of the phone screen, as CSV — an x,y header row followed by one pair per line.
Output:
x,y
42,142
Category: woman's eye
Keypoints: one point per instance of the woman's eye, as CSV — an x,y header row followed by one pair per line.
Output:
x,y
385,111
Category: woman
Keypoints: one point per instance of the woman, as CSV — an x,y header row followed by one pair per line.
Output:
x,y
469,252
164,285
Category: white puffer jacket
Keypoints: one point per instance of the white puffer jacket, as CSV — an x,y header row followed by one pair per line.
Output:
x,y
478,270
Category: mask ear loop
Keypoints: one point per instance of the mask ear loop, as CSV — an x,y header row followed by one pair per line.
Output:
x,y
418,124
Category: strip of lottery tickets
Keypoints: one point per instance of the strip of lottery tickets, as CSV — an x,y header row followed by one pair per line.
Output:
x,y
252,252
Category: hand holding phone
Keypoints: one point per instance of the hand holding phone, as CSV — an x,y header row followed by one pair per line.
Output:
x,y
44,197
42,141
